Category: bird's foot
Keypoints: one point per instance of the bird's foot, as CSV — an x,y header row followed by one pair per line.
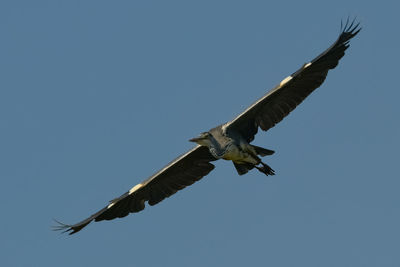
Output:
x,y
264,168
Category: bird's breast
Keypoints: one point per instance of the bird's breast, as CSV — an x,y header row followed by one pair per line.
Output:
x,y
236,154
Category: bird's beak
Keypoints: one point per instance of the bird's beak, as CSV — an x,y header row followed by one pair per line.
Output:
x,y
195,140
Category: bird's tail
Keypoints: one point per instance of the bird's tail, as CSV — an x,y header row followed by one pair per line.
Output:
x,y
263,151
243,168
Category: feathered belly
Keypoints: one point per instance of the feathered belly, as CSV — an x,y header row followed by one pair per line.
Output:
x,y
236,154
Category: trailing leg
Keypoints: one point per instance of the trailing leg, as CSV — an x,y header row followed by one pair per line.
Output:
x,y
264,168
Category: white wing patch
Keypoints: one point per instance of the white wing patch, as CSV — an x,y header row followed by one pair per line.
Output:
x,y
136,187
285,81
282,83
306,65
133,189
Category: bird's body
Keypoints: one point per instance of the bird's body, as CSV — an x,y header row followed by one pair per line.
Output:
x,y
230,141
228,144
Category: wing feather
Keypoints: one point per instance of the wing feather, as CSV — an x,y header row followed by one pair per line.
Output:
x,y
269,110
181,172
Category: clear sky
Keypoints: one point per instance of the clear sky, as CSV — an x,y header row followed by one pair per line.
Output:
x,y
95,96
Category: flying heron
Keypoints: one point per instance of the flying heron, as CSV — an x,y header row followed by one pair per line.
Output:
x,y
229,141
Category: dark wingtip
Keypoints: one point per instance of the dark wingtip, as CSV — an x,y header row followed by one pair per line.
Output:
x,y
350,28
66,228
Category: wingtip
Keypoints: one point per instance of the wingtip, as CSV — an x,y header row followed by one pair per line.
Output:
x,y
67,228
348,30
62,227
350,27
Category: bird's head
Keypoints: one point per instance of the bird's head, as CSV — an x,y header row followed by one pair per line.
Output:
x,y
204,139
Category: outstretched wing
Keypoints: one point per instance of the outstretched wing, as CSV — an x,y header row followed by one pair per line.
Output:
x,y
181,172
291,91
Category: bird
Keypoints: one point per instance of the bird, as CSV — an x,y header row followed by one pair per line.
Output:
x,y
230,141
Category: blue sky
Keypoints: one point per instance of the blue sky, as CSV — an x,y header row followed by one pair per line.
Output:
x,y
95,96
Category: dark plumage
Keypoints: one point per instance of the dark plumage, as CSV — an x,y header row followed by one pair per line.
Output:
x,y
230,141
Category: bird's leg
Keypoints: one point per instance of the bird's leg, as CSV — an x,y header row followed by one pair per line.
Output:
x,y
264,168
